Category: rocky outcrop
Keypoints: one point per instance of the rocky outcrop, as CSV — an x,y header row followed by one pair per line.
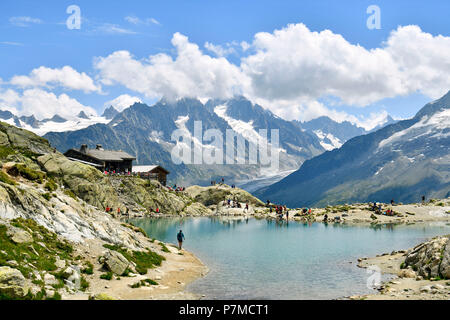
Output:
x,y
85,181
13,136
12,283
213,195
431,259
19,235
115,262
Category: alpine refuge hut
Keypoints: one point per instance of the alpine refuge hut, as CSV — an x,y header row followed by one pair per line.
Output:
x,y
104,160
152,172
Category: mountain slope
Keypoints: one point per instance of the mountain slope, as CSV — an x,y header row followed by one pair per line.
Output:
x,y
401,161
332,134
146,132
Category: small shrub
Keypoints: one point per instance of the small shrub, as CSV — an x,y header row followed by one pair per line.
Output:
x,y
89,269
84,284
106,276
51,185
56,296
143,283
47,196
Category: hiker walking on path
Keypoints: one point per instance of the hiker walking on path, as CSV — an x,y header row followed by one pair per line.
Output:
x,y
180,238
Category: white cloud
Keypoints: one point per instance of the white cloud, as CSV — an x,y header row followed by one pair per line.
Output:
x,y
423,60
110,28
8,99
43,104
290,69
136,21
219,50
190,74
24,21
66,77
297,64
11,43
122,102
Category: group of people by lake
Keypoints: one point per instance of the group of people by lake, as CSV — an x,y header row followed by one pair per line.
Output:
x,y
235,204
118,210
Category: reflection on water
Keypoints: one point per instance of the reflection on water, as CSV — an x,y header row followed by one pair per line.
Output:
x,y
270,259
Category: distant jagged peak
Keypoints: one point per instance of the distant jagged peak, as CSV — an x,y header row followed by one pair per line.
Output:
x,y
5,114
110,112
55,118
82,115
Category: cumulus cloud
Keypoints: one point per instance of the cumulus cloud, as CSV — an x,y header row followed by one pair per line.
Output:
x,y
190,74
422,59
8,99
295,64
65,77
290,69
122,102
43,104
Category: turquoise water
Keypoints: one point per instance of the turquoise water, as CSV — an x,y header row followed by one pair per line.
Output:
x,y
259,259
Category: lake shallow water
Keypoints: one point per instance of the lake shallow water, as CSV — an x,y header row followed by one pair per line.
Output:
x,y
261,259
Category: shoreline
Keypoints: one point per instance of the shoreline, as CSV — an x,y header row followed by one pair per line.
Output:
x,y
406,284
180,270
172,277
354,214
389,263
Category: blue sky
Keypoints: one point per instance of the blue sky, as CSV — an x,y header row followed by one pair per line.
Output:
x,y
44,40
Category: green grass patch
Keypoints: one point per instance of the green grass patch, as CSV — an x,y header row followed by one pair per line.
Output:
x,y
88,269
164,248
69,193
106,276
143,283
56,296
5,151
84,284
6,179
47,196
27,173
42,258
51,185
